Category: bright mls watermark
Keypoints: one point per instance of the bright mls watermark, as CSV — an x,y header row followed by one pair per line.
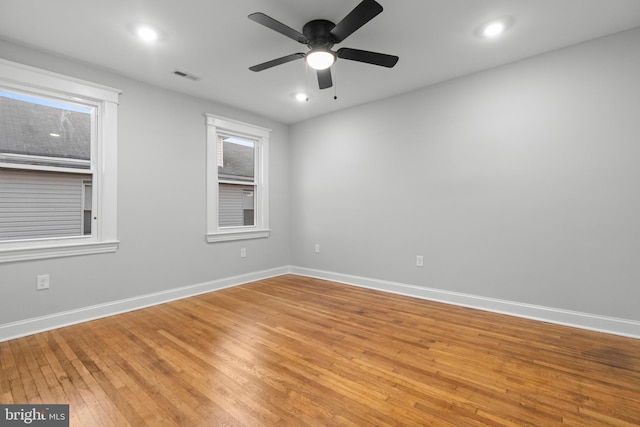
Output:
x,y
34,415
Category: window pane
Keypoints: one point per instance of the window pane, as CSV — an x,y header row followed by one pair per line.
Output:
x,y
38,131
36,202
238,156
87,206
41,204
236,205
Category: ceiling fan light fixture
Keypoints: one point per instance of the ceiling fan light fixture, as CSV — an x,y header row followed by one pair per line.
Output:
x,y
320,59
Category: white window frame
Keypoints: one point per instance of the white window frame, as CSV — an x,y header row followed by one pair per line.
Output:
x,y
104,162
226,126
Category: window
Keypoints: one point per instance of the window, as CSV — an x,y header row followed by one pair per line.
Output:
x,y
237,180
58,166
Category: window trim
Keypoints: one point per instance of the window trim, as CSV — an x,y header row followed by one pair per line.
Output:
x,y
226,126
26,79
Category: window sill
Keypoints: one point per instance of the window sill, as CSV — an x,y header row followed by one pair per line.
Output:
x,y
58,251
228,236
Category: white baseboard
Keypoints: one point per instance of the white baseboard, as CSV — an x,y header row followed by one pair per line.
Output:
x,y
57,320
593,322
610,325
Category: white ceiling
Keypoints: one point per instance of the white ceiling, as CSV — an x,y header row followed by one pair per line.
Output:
x,y
214,40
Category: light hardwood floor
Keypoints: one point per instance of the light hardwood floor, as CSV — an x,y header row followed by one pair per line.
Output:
x,y
298,351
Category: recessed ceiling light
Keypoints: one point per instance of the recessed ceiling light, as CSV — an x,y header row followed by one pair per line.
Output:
x,y
147,34
494,28
302,97
55,135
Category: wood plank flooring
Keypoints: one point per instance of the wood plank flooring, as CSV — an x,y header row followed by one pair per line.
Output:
x,y
299,351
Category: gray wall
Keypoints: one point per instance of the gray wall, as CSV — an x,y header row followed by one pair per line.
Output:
x,y
519,183
161,205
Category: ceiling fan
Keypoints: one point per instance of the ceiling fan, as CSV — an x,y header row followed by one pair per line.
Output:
x,y
320,35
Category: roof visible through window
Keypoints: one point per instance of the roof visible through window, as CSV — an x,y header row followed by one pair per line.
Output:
x,y
32,126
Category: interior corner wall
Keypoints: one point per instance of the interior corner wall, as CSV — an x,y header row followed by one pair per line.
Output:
x,y
161,205
520,183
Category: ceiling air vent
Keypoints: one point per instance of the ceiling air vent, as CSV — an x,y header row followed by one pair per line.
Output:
x,y
186,75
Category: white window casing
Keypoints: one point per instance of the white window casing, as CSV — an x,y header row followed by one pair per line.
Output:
x,y
102,169
222,229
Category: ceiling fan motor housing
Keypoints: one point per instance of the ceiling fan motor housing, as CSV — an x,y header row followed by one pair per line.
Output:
x,y
318,33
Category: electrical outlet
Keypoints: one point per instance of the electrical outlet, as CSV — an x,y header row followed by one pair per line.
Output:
x,y
317,248
243,252
419,261
42,282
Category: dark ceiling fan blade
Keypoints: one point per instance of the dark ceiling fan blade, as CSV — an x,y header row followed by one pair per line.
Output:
x,y
363,13
278,26
324,79
278,61
374,58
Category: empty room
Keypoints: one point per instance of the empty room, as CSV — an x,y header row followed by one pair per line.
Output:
x,y
320,213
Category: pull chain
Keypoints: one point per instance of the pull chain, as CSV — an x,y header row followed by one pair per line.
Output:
x,y
306,80
335,82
